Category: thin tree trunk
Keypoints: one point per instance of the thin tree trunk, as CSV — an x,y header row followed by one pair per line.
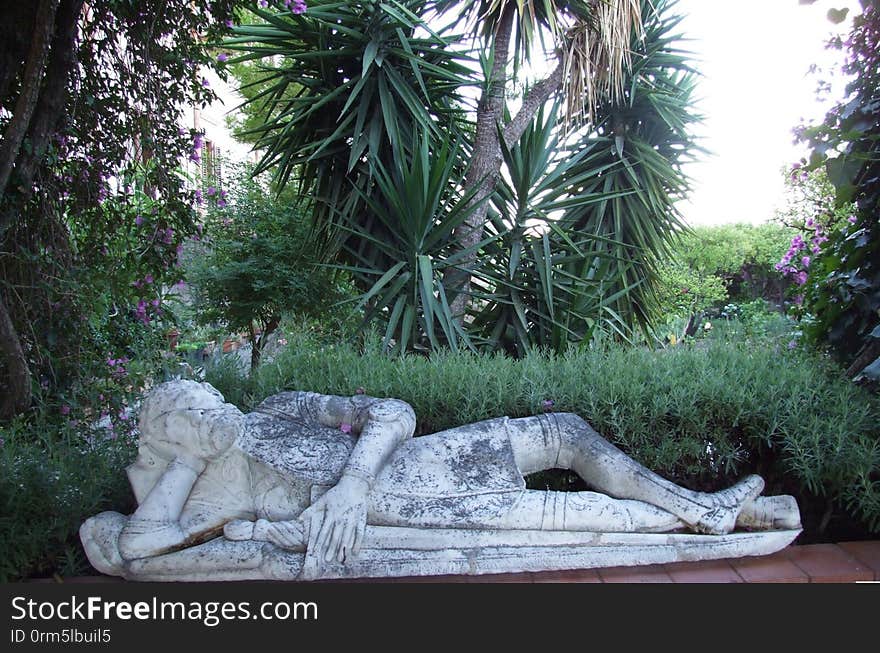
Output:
x,y
50,111
485,163
26,104
486,158
18,395
867,355
258,343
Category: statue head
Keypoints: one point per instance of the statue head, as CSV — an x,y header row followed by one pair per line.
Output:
x,y
184,416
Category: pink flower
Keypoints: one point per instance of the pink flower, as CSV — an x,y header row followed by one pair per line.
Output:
x,y
345,427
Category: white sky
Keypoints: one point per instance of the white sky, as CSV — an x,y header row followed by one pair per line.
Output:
x,y
754,57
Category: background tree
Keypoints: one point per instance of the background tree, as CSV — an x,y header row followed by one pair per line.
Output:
x,y
350,109
91,95
258,263
843,285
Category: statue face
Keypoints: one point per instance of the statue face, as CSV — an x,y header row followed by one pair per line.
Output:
x,y
190,418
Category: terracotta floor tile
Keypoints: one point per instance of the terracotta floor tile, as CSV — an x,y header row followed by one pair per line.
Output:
x,y
648,574
501,578
828,563
703,571
569,576
430,579
776,568
868,553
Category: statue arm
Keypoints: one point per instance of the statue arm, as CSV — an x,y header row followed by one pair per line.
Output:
x,y
155,526
335,523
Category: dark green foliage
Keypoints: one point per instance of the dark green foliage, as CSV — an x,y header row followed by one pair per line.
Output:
x,y
843,291
703,415
356,80
48,488
258,261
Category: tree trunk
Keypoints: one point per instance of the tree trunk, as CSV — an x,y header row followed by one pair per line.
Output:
x,y
50,110
18,395
259,342
869,353
32,79
485,163
486,158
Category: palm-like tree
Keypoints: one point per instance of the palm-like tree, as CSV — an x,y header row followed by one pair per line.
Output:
x,y
591,42
365,111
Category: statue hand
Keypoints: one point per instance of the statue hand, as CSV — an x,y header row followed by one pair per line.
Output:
x,y
336,522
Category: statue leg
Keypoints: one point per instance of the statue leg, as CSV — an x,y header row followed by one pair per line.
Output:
x,y
587,511
564,440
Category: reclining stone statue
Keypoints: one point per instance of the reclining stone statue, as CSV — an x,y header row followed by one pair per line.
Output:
x,y
317,486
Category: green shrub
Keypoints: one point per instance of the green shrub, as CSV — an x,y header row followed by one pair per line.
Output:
x,y
703,414
48,487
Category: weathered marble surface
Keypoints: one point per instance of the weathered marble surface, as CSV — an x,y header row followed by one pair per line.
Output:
x,y
311,486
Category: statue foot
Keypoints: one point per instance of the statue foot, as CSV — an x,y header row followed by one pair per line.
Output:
x,y
770,514
100,539
726,506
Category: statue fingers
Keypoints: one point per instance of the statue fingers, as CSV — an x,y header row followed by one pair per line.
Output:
x,y
315,521
358,538
346,542
334,541
322,541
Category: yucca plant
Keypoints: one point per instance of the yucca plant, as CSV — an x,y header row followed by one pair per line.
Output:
x,y
542,282
354,80
401,252
638,148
